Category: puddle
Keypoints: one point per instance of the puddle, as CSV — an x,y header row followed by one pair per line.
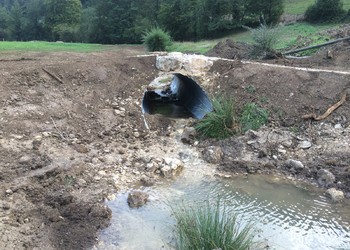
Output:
x,y
285,216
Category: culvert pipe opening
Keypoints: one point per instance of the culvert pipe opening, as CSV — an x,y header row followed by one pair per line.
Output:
x,y
176,96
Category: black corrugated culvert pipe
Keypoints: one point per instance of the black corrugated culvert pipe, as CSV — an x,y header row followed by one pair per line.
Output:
x,y
176,96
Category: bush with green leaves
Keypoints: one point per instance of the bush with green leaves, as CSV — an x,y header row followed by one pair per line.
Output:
x,y
221,122
265,39
207,226
156,39
325,11
253,117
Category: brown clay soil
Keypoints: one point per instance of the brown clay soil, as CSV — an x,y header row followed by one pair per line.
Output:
x,y
70,123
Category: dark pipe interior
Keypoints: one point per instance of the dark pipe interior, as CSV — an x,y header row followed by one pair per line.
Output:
x,y
182,98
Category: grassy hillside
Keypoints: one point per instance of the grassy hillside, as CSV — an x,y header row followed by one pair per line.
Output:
x,y
288,34
300,6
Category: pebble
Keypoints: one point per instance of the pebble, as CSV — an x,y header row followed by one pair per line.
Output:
x,y
338,126
9,192
305,144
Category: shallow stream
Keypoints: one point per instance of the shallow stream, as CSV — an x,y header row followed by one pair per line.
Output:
x,y
286,215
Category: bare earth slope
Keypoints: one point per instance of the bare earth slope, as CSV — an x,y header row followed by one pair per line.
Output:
x,y
71,126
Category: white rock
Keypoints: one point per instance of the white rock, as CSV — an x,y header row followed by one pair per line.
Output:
x,y
338,126
336,195
305,144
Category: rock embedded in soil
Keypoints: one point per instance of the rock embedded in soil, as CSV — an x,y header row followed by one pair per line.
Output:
x,y
137,199
305,144
325,177
188,135
294,164
212,154
171,167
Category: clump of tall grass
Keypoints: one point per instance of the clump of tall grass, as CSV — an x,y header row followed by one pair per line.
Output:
x,y
253,117
265,39
208,227
221,122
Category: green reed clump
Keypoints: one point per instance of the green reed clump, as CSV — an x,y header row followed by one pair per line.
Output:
x,y
208,227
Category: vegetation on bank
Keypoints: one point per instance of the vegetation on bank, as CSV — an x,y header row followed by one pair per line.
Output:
x,y
210,226
225,121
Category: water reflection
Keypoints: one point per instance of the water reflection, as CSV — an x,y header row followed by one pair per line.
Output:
x,y
286,217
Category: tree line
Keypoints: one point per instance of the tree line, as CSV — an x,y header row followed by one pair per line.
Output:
x,y
124,21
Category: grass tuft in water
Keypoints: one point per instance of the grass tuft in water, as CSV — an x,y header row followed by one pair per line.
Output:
x,y
206,226
221,122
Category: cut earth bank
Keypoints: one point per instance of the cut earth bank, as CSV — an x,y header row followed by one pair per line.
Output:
x,y
72,134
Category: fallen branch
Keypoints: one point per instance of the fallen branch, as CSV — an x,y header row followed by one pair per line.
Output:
x,y
328,112
53,76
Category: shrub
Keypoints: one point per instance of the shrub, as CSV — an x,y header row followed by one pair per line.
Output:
x,y
324,11
265,38
221,122
253,117
156,39
204,226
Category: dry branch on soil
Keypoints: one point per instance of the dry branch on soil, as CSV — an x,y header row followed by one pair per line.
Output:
x,y
328,112
53,76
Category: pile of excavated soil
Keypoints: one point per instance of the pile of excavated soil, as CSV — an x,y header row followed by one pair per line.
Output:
x,y
231,50
72,134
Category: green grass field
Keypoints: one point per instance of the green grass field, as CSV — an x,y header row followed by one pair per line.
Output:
x,y
50,46
300,6
288,36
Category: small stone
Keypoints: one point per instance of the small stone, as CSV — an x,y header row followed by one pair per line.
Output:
x,y
293,164
119,112
325,177
166,171
80,148
46,134
36,144
151,167
81,182
212,154
137,199
25,159
111,197
338,126
305,144
188,135
336,195
9,192
115,105
102,172
95,160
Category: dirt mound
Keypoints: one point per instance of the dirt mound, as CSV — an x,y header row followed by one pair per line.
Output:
x,y
231,50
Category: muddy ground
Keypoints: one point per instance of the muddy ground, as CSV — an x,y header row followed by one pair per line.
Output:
x,y
71,133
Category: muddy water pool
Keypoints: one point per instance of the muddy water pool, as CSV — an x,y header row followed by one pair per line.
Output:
x,y
285,215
